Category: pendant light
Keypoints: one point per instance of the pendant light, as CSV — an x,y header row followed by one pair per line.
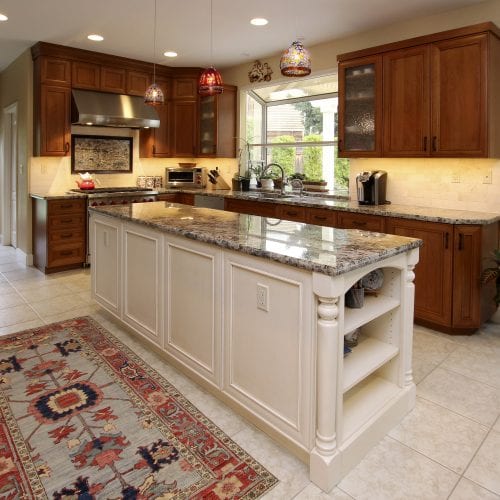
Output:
x,y
210,82
154,94
295,60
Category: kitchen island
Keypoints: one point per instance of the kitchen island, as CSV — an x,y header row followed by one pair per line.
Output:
x,y
254,310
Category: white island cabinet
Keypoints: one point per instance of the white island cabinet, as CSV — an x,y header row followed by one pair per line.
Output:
x,y
254,310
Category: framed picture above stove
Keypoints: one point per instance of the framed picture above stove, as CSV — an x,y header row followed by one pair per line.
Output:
x,y
101,154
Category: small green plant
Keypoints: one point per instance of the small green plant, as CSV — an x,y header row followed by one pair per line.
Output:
x,y
493,273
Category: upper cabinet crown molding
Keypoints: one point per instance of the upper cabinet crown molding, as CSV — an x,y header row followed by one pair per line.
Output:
x,y
437,97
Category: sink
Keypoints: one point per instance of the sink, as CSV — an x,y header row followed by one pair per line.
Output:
x,y
272,196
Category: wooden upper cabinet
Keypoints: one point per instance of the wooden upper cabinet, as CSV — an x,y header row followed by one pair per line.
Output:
x,y
55,71
459,106
85,75
113,80
360,107
137,82
185,88
183,117
406,110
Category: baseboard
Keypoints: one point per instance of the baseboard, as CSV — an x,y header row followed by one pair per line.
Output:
x,y
24,258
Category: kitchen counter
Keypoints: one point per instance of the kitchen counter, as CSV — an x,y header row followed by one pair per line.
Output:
x,y
323,250
66,195
254,310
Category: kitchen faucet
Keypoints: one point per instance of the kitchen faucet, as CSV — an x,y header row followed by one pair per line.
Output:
x,y
268,166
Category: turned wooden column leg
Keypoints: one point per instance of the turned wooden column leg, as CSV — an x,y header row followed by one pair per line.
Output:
x,y
409,292
325,458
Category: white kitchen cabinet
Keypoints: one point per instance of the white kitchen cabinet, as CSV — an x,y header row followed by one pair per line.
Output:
x,y
106,249
142,281
192,307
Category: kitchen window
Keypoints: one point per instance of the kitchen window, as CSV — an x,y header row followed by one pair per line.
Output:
x,y
295,125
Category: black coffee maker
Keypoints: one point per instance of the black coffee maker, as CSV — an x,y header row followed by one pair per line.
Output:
x,y
371,187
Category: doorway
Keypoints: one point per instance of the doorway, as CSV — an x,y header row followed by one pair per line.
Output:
x,y
9,177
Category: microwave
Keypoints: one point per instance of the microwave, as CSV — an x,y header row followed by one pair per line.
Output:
x,y
185,177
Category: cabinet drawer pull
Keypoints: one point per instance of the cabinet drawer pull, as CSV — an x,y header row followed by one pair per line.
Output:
x,y
434,143
66,147
446,240
339,145
66,205
154,149
358,223
320,217
66,221
67,252
460,241
291,212
66,235
425,143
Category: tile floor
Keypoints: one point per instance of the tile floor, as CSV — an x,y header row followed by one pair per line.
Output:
x,y
448,447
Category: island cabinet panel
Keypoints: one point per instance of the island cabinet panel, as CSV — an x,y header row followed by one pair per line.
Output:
x,y
433,275
142,282
192,307
106,251
407,102
264,337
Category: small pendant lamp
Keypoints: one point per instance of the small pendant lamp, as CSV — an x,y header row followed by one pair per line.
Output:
x,y
210,82
154,94
295,61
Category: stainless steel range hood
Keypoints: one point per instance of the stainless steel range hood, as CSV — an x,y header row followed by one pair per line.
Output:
x,y
111,110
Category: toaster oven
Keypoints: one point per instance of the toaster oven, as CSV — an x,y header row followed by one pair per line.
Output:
x,y
185,177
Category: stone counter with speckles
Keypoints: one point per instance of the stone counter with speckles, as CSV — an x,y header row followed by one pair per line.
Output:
x,y
324,250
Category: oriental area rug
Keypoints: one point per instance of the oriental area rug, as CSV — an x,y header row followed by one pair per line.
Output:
x,y
82,417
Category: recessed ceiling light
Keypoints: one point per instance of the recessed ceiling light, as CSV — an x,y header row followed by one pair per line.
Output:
x,y
96,38
170,53
259,21
3,17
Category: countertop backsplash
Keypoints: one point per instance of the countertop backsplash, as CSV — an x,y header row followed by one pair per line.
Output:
x,y
431,182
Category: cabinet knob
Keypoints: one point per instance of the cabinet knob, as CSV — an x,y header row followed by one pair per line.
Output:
x,y
446,240
434,143
425,143
460,241
66,147
339,145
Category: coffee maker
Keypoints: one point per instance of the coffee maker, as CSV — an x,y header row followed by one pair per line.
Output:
x,y
371,187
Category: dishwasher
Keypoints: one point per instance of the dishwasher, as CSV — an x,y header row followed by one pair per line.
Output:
x,y
203,201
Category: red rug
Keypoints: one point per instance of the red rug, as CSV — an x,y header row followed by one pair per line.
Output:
x,y
82,417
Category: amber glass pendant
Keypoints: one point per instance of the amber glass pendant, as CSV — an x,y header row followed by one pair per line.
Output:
x,y
210,82
295,61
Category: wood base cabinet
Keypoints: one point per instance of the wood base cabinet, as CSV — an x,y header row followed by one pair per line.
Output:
x,y
59,234
448,293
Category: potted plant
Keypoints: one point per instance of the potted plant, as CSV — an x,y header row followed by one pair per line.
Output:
x,y
493,274
266,181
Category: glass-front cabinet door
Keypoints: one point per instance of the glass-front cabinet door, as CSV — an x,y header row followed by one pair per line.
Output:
x,y
360,107
208,126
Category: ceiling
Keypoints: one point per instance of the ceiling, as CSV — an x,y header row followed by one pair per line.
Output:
x,y
184,25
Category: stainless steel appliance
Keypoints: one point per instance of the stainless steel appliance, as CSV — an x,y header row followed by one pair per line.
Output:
x,y
186,177
371,187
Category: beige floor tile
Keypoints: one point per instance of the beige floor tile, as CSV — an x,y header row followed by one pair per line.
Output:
x,y
394,471
16,314
8,258
481,365
496,427
11,266
485,467
462,395
30,283
421,368
5,286
19,327
292,473
76,312
312,492
24,274
9,299
57,305
2,278
467,490
432,348
44,291
440,434
486,339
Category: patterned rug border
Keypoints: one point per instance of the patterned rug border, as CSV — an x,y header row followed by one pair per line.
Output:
x,y
269,481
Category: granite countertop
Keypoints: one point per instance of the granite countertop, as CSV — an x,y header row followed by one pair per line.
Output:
x,y
314,248
65,195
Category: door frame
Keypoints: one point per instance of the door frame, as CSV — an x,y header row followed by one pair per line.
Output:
x,y
10,158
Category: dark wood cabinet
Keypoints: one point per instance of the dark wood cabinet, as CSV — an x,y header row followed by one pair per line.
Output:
x,y
448,293
184,118
291,212
138,82
360,107
459,86
217,124
321,217
52,121
406,109
85,76
113,80
438,91
185,88
184,198
251,207
54,71
366,222
155,142
59,233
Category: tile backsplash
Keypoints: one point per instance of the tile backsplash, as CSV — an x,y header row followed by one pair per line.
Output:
x,y
460,184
